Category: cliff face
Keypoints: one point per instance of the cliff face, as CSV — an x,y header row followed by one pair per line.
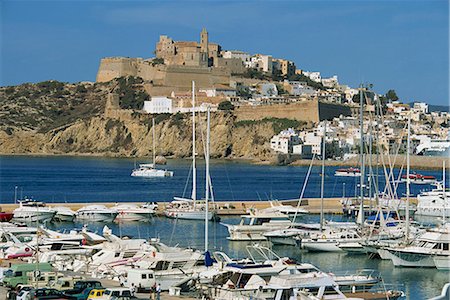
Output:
x,y
46,124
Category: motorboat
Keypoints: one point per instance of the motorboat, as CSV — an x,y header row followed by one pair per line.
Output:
x,y
33,211
64,214
434,203
132,212
97,213
289,210
416,178
348,172
442,262
330,240
149,170
422,251
186,209
253,226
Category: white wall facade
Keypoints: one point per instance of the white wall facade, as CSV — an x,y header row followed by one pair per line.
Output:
x,y
158,105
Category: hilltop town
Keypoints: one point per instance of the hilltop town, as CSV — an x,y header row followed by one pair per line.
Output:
x,y
263,107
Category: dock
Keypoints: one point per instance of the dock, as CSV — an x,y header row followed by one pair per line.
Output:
x,y
224,208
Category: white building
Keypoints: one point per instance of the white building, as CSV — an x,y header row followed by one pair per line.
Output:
x,y
420,107
261,62
244,56
268,89
285,141
331,82
314,76
220,90
158,105
299,88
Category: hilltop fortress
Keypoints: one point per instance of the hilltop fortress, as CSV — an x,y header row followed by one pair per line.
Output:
x,y
176,65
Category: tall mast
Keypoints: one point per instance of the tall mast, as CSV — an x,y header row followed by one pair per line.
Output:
x,y
153,141
361,153
444,195
323,173
207,178
408,145
194,171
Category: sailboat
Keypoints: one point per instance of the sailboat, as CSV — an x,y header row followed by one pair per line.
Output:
x,y
191,208
150,170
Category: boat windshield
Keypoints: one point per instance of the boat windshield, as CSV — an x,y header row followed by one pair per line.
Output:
x,y
9,273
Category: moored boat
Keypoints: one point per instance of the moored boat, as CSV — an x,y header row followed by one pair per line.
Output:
x,y
96,213
348,172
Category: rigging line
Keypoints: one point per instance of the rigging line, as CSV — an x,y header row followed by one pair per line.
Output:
x,y
304,187
187,181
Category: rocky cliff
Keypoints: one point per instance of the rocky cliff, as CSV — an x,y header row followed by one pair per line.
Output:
x,y
57,118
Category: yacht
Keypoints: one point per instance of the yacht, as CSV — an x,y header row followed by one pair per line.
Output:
x,y
289,210
416,178
98,213
182,208
191,208
434,203
132,212
33,211
348,172
331,240
253,226
64,214
422,251
150,170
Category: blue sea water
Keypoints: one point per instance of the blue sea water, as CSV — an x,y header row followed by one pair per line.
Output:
x,y
89,179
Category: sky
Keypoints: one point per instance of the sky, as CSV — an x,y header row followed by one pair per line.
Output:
x,y
401,45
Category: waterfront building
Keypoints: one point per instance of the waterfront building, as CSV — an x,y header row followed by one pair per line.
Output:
x,y
285,141
158,105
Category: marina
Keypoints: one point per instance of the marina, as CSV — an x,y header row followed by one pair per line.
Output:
x,y
189,234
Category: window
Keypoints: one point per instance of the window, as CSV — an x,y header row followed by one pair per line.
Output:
x,y
18,273
115,293
126,294
144,276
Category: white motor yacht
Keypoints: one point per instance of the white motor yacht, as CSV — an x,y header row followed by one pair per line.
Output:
x,y
149,170
186,209
349,172
132,212
289,210
253,226
64,214
434,203
33,211
97,213
422,251
330,240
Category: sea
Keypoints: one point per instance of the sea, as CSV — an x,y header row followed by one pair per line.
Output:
x,y
57,179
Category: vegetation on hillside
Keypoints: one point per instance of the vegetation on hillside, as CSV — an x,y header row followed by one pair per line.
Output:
x,y
131,93
278,124
49,104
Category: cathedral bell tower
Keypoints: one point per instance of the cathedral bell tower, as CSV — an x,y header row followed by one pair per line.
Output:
x,y
204,46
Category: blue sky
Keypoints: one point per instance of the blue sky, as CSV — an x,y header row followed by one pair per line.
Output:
x,y
401,45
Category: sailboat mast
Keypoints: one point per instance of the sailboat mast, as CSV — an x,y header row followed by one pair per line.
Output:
x,y
194,171
207,178
444,195
408,145
323,173
153,141
361,153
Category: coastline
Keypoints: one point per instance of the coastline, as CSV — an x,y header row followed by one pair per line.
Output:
x,y
416,162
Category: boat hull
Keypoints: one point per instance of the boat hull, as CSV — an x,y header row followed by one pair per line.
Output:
x,y
96,216
36,216
188,215
409,259
134,216
6,217
442,262
64,217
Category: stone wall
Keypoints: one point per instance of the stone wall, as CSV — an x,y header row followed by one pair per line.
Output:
x,y
301,111
307,110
